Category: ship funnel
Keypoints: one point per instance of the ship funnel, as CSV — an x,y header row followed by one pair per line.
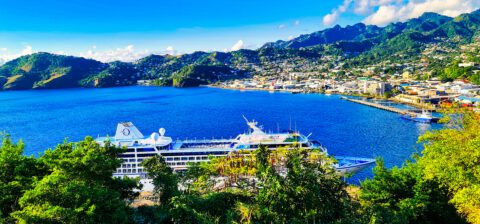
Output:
x,y
126,130
161,131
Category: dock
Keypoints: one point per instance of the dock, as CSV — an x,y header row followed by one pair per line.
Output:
x,y
380,106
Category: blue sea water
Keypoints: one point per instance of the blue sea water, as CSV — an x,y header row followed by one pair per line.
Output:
x,y
44,118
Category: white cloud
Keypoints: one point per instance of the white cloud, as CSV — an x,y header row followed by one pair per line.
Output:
x,y
6,55
361,7
344,6
383,12
296,23
27,50
282,26
383,16
332,17
60,52
127,54
364,7
237,46
170,50
291,37
414,8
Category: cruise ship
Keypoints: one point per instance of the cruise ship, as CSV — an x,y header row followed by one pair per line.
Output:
x,y
178,153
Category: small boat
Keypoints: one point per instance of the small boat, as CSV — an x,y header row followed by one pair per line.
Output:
x,y
424,117
296,91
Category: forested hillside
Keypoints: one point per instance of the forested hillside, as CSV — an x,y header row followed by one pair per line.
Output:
x,y
350,46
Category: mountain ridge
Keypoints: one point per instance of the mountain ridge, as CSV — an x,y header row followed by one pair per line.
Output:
x,y
355,42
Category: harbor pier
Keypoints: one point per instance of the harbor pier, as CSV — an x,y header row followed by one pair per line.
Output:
x,y
380,106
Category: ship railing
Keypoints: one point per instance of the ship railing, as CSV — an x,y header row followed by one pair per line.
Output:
x,y
205,140
216,147
354,160
206,145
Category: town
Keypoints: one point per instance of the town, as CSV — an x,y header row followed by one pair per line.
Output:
x,y
407,81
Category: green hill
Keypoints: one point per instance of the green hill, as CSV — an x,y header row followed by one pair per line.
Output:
x,y
44,71
195,75
116,74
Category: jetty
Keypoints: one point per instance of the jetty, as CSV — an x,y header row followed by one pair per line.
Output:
x,y
380,106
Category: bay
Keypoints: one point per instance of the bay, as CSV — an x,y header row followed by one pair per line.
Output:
x,y
44,118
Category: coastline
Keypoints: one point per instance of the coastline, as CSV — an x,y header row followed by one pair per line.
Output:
x,y
296,91
293,91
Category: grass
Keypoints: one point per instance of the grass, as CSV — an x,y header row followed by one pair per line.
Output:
x,y
53,77
26,67
12,79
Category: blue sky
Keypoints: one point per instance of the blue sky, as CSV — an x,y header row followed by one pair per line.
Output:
x,y
128,29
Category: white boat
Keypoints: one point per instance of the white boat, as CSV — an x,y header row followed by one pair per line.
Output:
x,y
424,117
178,154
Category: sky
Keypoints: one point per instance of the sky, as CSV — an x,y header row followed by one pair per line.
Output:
x,y
127,30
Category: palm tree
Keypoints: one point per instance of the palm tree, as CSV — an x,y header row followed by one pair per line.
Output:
x,y
245,211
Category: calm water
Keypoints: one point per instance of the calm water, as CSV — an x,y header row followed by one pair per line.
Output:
x,y
45,118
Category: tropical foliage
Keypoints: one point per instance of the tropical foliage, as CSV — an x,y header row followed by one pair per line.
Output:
x,y
74,183
282,186
451,157
195,75
71,183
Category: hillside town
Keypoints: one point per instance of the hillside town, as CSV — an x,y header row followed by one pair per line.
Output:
x,y
402,89
406,81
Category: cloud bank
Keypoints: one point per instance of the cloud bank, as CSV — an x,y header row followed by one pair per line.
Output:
x,y
126,54
413,9
383,12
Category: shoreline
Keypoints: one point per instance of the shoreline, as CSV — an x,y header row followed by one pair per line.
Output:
x,y
258,89
302,92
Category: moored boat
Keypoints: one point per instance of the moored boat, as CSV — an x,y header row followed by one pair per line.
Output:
x,y
178,154
424,117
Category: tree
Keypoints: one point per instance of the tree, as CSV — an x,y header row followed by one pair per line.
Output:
x,y
279,186
262,156
440,186
309,191
17,175
453,71
164,180
402,195
213,207
475,78
451,157
213,190
79,188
